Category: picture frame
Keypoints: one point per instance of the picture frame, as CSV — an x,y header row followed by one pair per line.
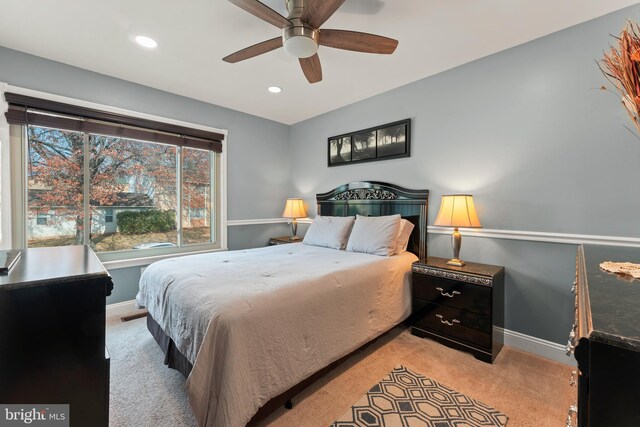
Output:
x,y
384,142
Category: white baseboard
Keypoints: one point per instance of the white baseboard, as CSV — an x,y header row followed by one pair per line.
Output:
x,y
120,308
539,347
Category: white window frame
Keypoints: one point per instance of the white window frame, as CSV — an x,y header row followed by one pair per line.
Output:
x,y
13,205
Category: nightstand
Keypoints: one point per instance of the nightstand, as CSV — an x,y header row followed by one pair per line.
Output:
x,y
460,307
282,240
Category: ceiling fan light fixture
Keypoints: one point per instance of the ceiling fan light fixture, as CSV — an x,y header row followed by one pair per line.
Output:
x,y
301,34
300,46
299,41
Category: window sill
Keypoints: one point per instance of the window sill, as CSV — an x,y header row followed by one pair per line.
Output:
x,y
142,261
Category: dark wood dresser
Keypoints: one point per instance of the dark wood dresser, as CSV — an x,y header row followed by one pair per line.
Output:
x,y
52,333
459,306
605,340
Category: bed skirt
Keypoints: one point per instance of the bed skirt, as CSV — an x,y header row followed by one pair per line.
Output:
x,y
172,356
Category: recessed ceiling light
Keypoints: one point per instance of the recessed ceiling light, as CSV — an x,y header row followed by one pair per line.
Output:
x,y
147,42
274,89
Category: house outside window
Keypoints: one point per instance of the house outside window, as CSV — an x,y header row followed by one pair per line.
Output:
x,y
119,195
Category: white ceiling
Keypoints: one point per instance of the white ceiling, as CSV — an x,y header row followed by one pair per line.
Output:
x,y
193,36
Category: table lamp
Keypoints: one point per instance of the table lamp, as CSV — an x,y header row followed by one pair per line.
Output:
x,y
294,209
457,210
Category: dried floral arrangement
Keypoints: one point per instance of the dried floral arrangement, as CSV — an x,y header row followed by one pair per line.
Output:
x,y
621,66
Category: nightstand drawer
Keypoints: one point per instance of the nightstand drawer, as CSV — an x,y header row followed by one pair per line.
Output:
x,y
452,293
451,322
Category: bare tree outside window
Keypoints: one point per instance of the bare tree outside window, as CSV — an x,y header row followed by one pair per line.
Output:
x,y
55,187
196,196
132,192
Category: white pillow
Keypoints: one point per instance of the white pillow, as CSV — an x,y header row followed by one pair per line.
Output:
x,y
329,231
406,227
375,235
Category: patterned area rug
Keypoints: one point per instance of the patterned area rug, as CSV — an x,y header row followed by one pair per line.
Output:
x,y
406,399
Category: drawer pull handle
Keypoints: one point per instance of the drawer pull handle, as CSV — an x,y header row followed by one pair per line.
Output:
x,y
446,322
573,409
572,379
446,294
568,349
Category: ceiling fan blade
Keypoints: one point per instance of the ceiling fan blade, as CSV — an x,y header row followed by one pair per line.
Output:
x,y
255,50
316,12
263,12
356,41
311,68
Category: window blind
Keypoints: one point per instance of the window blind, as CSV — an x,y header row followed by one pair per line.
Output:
x,y
27,110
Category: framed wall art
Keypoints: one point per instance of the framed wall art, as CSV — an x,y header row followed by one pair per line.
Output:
x,y
389,141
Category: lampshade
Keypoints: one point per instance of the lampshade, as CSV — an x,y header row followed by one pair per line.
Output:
x,y
294,209
457,210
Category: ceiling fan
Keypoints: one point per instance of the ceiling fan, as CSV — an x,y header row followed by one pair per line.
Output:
x,y
301,34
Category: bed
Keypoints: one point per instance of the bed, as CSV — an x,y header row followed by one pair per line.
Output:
x,y
249,328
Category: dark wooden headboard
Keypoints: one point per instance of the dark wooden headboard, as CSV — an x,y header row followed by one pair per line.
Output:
x,y
372,198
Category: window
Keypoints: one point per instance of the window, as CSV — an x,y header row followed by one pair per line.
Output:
x,y
55,186
120,195
196,196
139,179
108,215
41,219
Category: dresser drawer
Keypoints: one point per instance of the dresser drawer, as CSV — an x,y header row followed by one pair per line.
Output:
x,y
452,293
451,322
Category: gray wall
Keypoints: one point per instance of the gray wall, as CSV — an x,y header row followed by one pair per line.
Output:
x,y
257,164
528,133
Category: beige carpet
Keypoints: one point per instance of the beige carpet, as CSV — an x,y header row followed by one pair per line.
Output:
x,y
530,390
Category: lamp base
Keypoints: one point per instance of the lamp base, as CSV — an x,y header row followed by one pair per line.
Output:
x,y
294,231
456,242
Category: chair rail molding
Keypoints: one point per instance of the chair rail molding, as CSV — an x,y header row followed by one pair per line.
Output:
x,y
263,221
541,236
530,236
